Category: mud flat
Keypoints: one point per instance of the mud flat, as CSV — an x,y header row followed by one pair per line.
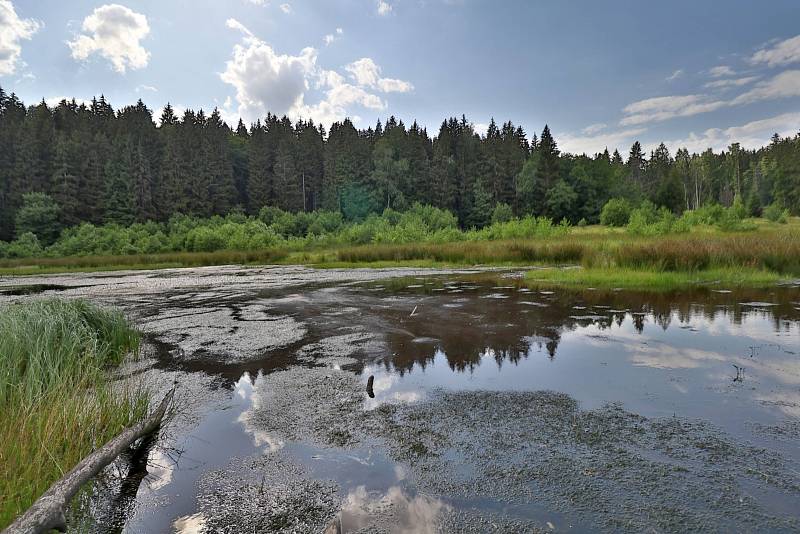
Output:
x,y
490,407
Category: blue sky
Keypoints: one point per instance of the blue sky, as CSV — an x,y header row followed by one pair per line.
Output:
x,y
691,73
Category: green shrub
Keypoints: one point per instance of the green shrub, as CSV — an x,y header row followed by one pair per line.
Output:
x,y
616,212
502,213
647,220
39,215
775,213
26,246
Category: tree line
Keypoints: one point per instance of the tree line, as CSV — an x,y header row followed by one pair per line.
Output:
x,y
91,163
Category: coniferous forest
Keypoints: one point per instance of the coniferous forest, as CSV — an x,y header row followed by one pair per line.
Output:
x,y
92,163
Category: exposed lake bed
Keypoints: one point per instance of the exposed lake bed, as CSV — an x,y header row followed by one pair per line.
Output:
x,y
493,405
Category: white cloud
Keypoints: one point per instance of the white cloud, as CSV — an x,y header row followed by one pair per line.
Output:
x,y
339,96
332,37
364,71
257,2
753,134
786,84
594,128
782,53
667,107
783,85
393,85
730,82
286,8
142,88
115,32
675,75
12,30
234,24
720,71
384,8
367,73
592,144
265,80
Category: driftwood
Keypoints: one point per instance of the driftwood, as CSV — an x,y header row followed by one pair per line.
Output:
x,y
47,513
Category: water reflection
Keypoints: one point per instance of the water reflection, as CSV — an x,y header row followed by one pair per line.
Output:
x,y
465,330
417,514
657,354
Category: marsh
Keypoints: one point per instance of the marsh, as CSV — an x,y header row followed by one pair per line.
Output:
x,y
495,406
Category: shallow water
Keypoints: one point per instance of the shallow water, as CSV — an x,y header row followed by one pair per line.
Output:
x,y
728,358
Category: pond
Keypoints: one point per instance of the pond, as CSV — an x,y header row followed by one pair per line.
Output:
x,y
426,402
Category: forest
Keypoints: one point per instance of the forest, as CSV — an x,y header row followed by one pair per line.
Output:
x,y
78,163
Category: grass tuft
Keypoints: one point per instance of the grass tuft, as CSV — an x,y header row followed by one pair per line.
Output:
x,y
57,403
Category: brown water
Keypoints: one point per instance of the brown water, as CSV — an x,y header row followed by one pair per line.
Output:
x,y
724,358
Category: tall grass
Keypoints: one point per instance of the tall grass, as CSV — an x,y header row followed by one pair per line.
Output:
x,y
779,253
57,403
467,252
134,261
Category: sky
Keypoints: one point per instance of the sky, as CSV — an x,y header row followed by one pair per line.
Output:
x,y
695,74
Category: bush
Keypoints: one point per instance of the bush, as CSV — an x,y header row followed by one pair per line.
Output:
x,y
709,214
649,221
26,246
527,227
616,212
39,215
775,213
502,213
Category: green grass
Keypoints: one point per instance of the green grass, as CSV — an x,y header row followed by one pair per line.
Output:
x,y
28,266
622,278
770,252
56,401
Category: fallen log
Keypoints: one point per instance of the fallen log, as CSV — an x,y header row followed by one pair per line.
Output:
x,y
47,513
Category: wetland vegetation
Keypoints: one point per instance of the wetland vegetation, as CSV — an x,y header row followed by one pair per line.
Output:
x,y
58,403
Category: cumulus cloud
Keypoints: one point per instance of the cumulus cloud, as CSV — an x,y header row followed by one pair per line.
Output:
x,y
265,80
592,144
13,30
115,32
720,71
280,83
667,107
730,82
286,8
384,8
367,73
753,134
781,53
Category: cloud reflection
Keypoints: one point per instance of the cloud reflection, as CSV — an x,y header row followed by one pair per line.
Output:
x,y
418,514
